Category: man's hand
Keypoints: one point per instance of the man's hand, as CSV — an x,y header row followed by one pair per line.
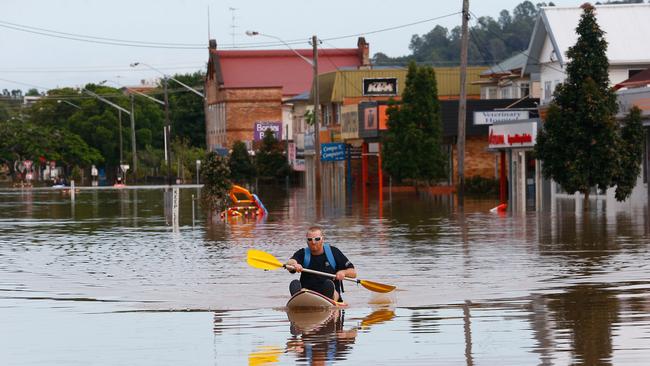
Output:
x,y
294,267
340,275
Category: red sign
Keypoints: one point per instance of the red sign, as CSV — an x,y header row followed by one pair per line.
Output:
x,y
519,134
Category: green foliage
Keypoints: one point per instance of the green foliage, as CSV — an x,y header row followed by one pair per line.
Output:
x,y
76,174
579,144
184,158
187,109
215,176
269,159
241,165
412,145
25,140
630,154
491,40
480,186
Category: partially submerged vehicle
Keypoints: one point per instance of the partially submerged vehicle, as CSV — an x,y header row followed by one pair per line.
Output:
x,y
244,204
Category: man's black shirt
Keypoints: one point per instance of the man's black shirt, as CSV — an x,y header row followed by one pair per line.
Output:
x,y
320,263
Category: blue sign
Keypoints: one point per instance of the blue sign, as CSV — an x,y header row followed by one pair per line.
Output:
x,y
334,151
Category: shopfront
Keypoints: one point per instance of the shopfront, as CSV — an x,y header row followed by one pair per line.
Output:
x,y
515,141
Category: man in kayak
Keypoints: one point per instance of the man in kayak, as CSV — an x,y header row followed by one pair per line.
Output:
x,y
321,257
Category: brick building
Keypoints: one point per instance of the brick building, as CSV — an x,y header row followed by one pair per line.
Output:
x,y
244,87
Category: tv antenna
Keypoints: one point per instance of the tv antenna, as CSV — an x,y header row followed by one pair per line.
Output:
x,y
233,26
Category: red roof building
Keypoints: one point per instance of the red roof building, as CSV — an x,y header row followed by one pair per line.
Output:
x,y
248,86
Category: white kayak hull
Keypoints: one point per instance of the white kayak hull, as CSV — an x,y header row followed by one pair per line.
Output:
x,y
311,299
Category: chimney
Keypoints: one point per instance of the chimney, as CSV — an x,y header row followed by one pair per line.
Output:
x,y
363,51
213,44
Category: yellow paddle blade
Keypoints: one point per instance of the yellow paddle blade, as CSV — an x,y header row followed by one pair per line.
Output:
x,y
264,356
377,317
262,260
376,287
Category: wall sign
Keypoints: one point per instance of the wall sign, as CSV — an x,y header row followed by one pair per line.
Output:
x,y
489,117
513,134
380,86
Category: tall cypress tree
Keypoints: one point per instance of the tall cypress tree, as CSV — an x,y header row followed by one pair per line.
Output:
x,y
412,144
578,143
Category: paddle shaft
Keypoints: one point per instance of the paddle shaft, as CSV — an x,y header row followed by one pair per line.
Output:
x,y
323,274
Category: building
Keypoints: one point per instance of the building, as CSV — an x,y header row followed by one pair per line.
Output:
x,y
245,88
506,80
628,52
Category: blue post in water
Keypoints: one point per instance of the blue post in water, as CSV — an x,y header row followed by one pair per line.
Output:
x,y
348,155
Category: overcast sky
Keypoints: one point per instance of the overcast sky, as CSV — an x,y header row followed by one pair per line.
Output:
x,y
42,61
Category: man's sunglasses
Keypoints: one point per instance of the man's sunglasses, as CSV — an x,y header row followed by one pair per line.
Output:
x,y
318,238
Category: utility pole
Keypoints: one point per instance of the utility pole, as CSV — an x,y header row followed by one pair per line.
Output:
x,y
168,131
462,105
119,113
133,148
314,42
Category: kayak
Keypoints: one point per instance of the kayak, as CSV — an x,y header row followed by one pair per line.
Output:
x,y
311,299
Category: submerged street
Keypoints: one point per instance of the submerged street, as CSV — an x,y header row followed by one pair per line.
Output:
x,y
104,280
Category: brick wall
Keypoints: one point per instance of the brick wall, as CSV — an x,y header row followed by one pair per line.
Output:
x,y
245,106
478,161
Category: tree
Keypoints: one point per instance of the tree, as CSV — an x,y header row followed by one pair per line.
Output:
x,y
269,159
630,154
412,146
579,143
241,166
187,109
215,176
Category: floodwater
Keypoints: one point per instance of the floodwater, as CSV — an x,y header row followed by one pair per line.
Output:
x,y
103,280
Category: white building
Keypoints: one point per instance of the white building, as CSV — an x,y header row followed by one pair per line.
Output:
x,y
626,29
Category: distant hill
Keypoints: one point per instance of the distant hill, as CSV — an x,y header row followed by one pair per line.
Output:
x,y
491,40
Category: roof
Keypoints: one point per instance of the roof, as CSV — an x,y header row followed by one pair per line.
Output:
x,y
280,68
510,64
340,84
625,26
639,80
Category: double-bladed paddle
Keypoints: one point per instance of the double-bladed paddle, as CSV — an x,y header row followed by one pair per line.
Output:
x,y
263,260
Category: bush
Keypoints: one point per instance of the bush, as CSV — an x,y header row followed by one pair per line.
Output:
x,y
480,186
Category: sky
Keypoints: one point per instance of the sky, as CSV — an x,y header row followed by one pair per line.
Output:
x,y
172,35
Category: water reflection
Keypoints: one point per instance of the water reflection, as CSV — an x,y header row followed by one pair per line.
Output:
x,y
319,337
584,316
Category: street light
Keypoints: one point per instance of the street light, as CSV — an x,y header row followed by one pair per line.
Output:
x,y
198,166
120,109
314,64
166,104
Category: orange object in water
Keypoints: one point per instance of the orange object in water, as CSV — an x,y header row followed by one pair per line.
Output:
x,y
244,204
500,208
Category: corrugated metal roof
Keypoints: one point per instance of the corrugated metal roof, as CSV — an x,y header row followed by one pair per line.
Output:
x,y
340,84
504,67
626,30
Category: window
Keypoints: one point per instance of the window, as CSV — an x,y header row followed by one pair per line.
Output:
x,y
327,115
524,90
548,92
632,72
506,92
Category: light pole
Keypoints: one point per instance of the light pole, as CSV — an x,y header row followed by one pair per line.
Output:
x,y
168,127
198,166
120,109
314,64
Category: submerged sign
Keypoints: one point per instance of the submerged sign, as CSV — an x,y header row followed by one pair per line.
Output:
x,y
334,151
